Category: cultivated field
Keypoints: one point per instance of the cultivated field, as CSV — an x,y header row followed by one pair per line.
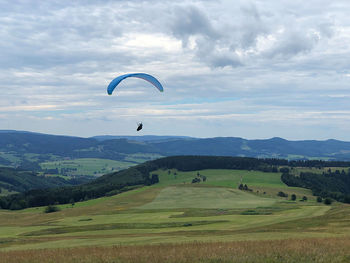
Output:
x,y
176,221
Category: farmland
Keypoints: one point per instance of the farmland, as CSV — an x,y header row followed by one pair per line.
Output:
x,y
213,215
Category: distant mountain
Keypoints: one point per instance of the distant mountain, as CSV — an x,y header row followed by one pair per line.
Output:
x,y
143,138
26,148
269,148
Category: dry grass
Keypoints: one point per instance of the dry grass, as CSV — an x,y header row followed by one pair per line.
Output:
x,y
292,250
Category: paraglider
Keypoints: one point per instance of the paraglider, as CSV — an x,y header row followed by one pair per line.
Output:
x,y
115,82
139,126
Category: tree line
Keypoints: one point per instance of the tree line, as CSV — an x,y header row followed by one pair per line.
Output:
x,y
335,185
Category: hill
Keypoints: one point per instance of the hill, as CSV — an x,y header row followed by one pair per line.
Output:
x,y
147,174
14,180
142,138
30,150
179,209
269,148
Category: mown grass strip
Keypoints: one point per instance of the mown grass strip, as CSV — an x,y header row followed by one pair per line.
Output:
x,y
74,229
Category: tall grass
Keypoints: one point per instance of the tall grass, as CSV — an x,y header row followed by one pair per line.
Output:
x,y
290,250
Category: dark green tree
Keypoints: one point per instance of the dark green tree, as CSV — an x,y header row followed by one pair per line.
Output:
x,y
327,201
154,179
293,197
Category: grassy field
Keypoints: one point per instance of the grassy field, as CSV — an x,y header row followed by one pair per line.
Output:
x,y
293,250
87,166
211,221
215,197
4,192
141,157
227,178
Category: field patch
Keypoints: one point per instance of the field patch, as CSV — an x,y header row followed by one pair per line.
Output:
x,y
85,166
206,197
116,226
222,177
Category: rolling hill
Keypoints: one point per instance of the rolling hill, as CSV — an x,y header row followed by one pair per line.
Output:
x,y
30,149
148,174
14,180
188,218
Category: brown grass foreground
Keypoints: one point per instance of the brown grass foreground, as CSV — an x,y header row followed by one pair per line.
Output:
x,y
290,250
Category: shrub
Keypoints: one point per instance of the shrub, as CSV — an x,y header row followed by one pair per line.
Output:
x,y
327,201
196,180
51,209
282,194
319,199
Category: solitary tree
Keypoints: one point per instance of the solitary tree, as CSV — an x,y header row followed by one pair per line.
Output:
x,y
154,179
293,197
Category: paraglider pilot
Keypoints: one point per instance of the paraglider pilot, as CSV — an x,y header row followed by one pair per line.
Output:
x,y
139,126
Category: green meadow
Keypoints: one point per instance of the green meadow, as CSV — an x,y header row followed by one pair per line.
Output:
x,y
87,166
176,211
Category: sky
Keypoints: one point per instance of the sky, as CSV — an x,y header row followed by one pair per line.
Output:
x,y
250,69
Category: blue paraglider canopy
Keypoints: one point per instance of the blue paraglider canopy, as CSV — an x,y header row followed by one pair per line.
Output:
x,y
114,83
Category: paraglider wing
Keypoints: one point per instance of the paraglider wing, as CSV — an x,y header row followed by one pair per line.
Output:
x,y
114,83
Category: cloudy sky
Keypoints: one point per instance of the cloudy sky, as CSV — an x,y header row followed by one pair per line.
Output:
x,y
251,69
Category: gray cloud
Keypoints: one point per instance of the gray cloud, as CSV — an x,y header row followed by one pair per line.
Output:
x,y
293,43
190,21
223,65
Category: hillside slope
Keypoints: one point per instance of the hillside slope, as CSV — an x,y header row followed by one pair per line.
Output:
x,y
14,180
144,174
